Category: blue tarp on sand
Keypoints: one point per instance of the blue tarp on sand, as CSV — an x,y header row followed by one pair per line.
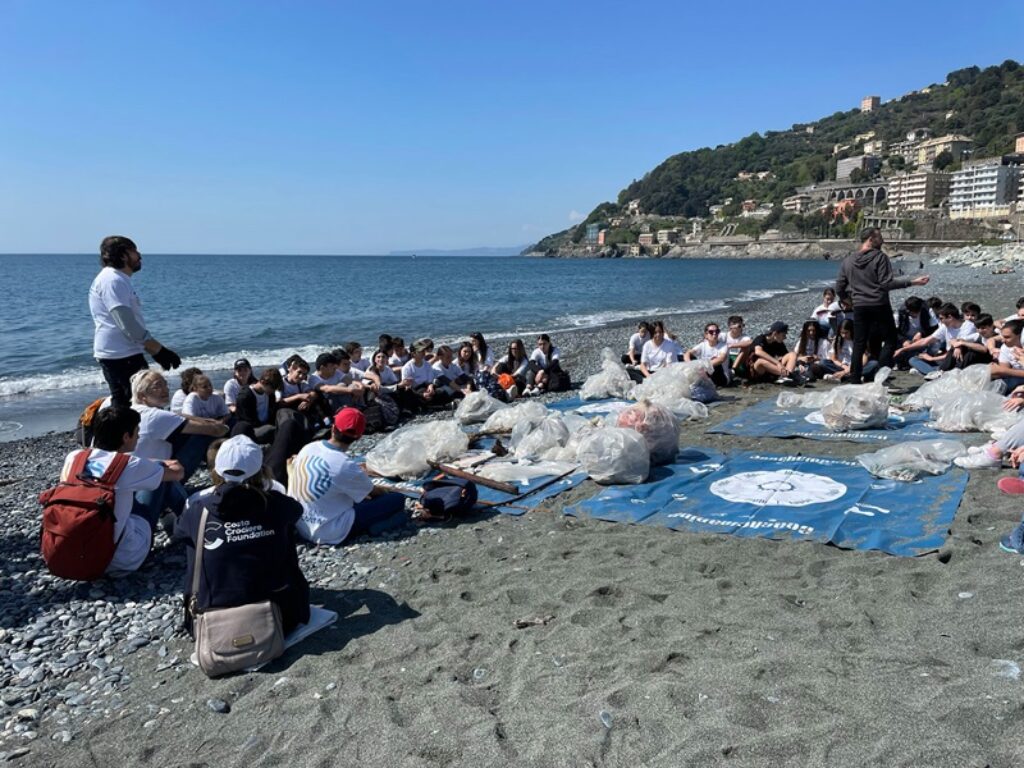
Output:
x,y
787,497
766,419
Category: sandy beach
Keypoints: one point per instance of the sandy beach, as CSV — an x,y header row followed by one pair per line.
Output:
x,y
651,647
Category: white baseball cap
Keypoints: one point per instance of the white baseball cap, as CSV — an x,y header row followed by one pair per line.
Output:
x,y
238,459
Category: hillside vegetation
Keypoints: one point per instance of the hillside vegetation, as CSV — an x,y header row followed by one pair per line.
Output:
x,y
985,104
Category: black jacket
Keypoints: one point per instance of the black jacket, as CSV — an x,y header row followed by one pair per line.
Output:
x,y
246,409
868,277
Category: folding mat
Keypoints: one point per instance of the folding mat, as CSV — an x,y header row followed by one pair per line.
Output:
x,y
766,419
809,498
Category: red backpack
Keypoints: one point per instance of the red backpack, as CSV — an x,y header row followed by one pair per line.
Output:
x,y
78,521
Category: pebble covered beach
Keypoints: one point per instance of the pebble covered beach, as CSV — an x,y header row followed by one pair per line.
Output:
x,y
544,639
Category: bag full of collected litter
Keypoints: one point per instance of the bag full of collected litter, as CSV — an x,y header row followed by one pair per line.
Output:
x,y
909,461
673,385
407,453
477,406
972,412
612,381
547,436
615,455
858,406
505,420
974,378
659,427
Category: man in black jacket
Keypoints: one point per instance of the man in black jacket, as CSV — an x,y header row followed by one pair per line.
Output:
x,y
261,418
867,276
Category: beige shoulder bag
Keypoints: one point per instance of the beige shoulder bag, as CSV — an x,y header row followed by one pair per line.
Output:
x,y
231,639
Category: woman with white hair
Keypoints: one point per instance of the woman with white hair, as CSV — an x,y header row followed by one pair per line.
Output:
x,y
165,435
248,538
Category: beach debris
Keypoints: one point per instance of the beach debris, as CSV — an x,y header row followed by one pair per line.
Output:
x,y
505,420
858,406
615,455
537,621
477,407
479,674
606,718
972,379
409,452
658,426
219,706
612,381
683,388
908,461
965,595
1006,668
972,412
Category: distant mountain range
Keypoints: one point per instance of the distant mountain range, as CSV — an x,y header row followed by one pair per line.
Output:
x,y
514,250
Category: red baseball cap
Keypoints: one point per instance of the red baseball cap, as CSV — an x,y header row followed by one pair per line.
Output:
x,y
350,422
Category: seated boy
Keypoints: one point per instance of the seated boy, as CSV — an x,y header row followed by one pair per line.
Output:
x,y
771,359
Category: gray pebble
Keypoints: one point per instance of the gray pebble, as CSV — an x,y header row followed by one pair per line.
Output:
x,y
219,706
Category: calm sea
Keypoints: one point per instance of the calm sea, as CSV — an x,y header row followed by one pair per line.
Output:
x,y
212,309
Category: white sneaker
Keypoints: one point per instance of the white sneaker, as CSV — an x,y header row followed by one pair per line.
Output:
x,y
513,392
932,376
979,460
829,377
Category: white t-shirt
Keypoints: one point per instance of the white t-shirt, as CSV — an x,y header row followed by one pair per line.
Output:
x,y
177,401
294,389
157,425
315,379
824,348
1008,358
132,530
452,371
734,343
361,364
328,484
966,332
111,289
655,357
262,405
821,313
231,390
538,357
488,362
396,360
388,378
706,351
420,374
636,343
846,353
213,407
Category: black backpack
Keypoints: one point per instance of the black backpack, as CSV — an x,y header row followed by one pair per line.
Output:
x,y
448,496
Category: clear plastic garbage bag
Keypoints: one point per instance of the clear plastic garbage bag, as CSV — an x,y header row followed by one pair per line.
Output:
x,y
909,461
550,434
974,378
972,412
659,427
505,420
407,453
612,381
857,406
477,406
615,455
521,471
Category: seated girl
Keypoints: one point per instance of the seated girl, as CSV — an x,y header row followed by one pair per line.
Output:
x,y
203,402
546,368
715,351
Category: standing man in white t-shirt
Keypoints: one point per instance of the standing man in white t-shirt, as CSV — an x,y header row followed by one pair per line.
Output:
x,y
120,336
339,501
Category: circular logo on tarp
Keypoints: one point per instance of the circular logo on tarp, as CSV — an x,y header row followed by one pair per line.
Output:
x,y
778,488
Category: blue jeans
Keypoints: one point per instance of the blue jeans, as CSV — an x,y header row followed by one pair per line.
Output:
x,y
190,451
921,366
378,514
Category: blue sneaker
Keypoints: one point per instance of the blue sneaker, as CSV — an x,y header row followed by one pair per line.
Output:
x,y
1013,542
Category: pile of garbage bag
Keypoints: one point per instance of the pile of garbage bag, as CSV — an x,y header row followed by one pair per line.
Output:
x,y
407,452
972,412
974,378
612,381
505,420
659,427
909,461
858,406
683,388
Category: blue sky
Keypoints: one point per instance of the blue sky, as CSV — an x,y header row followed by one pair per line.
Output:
x,y
336,127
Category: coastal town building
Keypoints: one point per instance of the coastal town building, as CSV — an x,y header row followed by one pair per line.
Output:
x,y
864,163
983,188
874,147
633,207
862,137
918,191
592,232
602,236
669,236
955,144
1019,144
870,103
797,203
646,238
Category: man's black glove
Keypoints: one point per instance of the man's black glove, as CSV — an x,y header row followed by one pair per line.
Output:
x,y
167,358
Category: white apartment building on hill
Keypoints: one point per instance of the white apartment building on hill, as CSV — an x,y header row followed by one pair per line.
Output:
x,y
983,188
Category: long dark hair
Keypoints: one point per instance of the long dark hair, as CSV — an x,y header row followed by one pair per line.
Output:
x,y
805,329
512,360
837,345
481,354
473,363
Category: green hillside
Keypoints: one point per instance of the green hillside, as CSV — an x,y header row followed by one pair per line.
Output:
x,y
984,104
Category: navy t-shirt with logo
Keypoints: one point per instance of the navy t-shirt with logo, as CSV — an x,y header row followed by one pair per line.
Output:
x,y
248,550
